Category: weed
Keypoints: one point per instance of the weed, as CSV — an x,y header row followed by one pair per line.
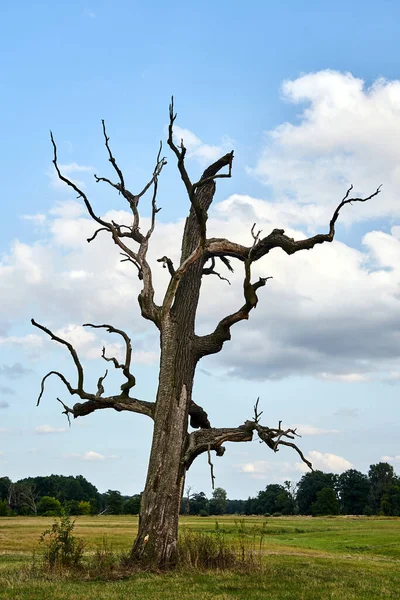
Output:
x,y
61,548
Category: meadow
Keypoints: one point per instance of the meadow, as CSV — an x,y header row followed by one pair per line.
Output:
x,y
298,558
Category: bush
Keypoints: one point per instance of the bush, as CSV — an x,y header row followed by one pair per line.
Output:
x,y
4,509
203,513
84,508
49,507
61,548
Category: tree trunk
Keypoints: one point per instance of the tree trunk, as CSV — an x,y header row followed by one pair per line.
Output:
x,y
161,500
156,542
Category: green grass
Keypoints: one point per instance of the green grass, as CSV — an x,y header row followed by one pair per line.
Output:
x,y
302,559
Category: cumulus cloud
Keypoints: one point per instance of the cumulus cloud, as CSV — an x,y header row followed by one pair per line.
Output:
x,y
38,218
91,455
346,133
44,429
68,170
325,462
332,313
263,469
203,153
310,430
391,459
4,404
30,340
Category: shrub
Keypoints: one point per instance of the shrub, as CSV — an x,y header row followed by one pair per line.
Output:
x,y
4,509
203,513
49,507
61,548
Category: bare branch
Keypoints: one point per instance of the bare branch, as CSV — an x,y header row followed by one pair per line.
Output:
x,y
118,403
67,384
167,263
72,351
227,263
208,177
179,152
277,239
212,439
100,387
96,232
257,415
211,466
125,387
96,401
212,343
175,280
211,271
80,193
111,158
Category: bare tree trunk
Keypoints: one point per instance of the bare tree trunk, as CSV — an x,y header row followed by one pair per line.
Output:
x,y
161,500
157,537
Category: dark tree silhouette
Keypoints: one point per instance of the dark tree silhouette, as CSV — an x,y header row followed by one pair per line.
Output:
x,y
174,448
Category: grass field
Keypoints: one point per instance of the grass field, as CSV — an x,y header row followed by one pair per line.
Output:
x,y
302,559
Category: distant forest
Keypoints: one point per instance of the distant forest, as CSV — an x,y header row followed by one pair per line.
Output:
x,y
317,493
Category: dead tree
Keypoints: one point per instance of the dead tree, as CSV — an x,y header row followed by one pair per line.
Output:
x,y
174,448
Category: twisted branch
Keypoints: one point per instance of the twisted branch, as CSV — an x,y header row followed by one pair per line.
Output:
x,y
125,387
277,238
97,401
205,440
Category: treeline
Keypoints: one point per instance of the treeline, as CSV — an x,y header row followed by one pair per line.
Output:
x,y
317,493
56,494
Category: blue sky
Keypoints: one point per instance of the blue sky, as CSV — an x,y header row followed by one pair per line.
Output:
x,y
307,94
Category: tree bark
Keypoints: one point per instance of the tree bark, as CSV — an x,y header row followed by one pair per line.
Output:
x,y
156,542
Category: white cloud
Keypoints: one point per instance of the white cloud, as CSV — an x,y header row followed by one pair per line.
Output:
x,y
391,459
263,469
347,133
4,404
325,462
67,170
204,153
332,313
91,455
346,377
30,340
310,430
39,218
44,429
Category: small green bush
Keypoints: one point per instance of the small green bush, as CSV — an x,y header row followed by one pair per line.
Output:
x,y
49,507
61,548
